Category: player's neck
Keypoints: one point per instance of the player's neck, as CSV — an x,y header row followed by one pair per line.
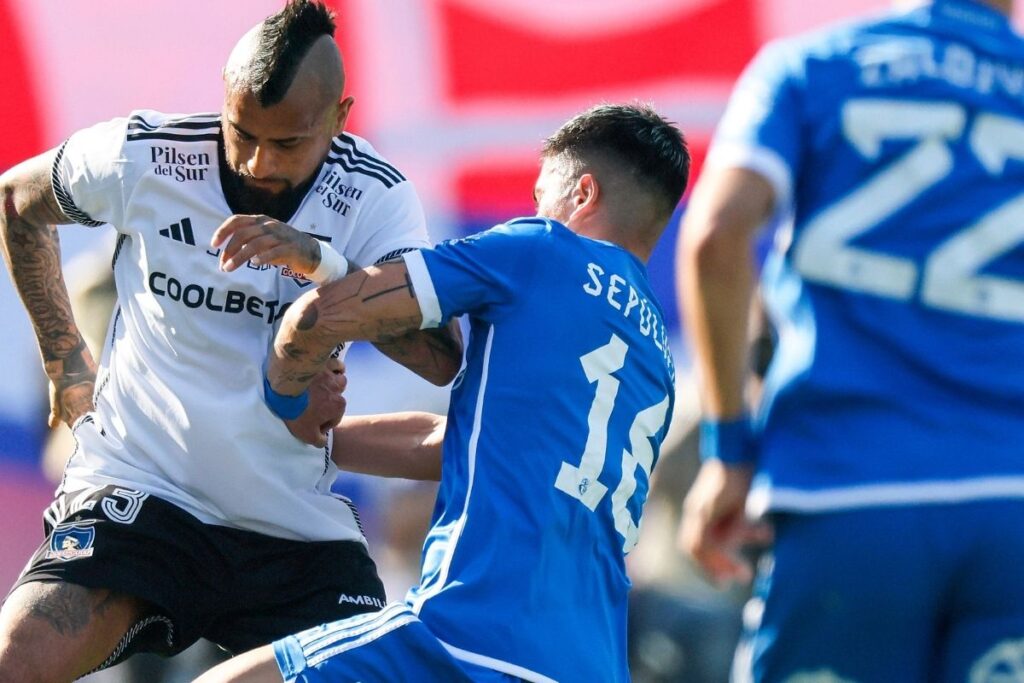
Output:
x,y
603,233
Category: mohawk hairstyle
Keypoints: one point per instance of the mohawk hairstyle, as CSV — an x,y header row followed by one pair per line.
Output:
x,y
284,39
634,137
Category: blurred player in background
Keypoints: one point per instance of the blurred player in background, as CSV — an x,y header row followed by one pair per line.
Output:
x,y
188,509
887,442
553,427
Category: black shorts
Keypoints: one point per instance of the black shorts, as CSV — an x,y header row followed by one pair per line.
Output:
x,y
239,589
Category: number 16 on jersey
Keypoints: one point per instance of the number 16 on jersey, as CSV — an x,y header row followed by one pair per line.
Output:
x,y
581,481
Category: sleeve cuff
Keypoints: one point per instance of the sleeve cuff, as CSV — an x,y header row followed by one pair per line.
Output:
x,y
423,287
762,161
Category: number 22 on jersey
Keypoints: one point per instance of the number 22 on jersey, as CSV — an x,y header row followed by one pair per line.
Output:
x,y
581,481
951,277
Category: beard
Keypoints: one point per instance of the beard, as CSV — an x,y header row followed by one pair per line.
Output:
x,y
246,199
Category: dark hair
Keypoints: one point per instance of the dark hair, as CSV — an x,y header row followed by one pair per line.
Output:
x,y
284,39
633,137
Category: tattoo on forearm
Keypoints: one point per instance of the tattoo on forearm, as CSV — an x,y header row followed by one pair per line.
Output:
x,y
32,252
72,369
309,317
407,286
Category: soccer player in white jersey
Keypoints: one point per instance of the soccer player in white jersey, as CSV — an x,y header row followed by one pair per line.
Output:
x,y
553,427
885,451
188,509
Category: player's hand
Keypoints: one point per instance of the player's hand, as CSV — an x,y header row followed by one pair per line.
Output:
x,y
714,528
326,406
71,401
264,240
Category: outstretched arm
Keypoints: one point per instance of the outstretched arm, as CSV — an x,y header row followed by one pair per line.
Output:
x,y
405,445
375,303
31,249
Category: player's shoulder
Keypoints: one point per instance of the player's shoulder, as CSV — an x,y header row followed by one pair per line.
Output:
x,y
835,41
354,156
147,125
510,239
536,226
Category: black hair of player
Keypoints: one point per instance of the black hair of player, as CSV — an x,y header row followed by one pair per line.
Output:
x,y
284,40
630,136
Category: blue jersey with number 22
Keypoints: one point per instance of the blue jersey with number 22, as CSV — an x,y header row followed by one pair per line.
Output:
x,y
897,146
553,429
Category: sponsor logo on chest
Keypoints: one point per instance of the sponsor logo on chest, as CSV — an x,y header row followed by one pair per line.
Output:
x,y
336,195
169,161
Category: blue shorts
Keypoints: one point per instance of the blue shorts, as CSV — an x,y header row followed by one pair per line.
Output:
x,y
390,645
912,594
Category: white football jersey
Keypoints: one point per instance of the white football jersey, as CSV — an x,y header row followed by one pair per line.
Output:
x,y
179,405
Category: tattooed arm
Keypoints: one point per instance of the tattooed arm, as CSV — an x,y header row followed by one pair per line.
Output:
x,y
31,249
375,303
435,355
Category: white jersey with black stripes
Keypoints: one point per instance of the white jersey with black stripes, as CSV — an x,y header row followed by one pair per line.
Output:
x,y
179,407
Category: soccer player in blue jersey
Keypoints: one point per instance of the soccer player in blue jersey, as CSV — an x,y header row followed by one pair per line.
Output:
x,y
553,428
885,450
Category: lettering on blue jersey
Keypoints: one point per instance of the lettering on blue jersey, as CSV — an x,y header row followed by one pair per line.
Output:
x,y
899,62
618,293
171,162
200,296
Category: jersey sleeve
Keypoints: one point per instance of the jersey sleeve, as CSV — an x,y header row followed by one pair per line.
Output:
x,y
392,225
474,275
88,174
760,129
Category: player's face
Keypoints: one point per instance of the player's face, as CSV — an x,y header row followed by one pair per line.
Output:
x,y
552,192
274,150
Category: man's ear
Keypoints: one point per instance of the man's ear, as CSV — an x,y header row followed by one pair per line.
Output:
x,y
344,108
585,194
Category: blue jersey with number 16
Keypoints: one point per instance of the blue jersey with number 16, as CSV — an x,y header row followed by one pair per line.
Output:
x,y
553,429
898,285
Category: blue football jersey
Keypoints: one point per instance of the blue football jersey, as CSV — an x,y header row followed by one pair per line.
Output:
x,y
896,150
554,426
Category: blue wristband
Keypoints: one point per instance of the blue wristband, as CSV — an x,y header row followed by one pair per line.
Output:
x,y
731,441
285,407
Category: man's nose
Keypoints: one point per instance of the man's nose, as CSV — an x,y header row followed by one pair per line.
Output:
x,y
262,163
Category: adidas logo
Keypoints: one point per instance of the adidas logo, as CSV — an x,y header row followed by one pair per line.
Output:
x,y
180,232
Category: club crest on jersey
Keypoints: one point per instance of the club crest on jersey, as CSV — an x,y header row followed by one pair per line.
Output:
x,y
300,278
71,541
